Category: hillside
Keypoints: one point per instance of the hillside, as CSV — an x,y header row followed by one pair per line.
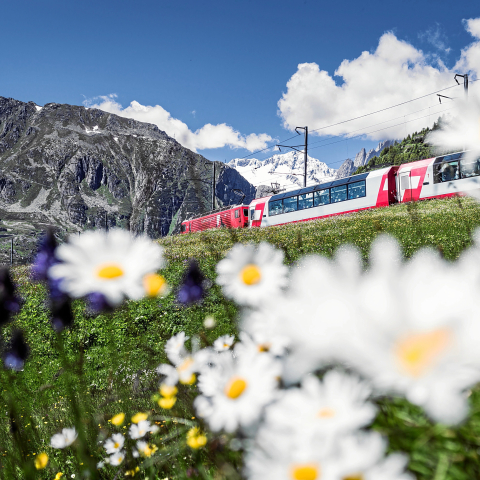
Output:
x,y
76,168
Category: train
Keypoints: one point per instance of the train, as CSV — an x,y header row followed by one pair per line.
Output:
x,y
443,176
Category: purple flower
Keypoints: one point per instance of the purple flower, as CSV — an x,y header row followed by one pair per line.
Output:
x,y
45,257
98,303
193,286
9,302
62,315
14,358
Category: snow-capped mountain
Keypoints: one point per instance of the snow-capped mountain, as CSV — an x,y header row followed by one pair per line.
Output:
x,y
286,169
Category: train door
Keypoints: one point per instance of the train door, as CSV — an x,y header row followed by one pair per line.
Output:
x,y
404,187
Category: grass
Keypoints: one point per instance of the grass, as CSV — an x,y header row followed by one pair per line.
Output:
x,y
107,361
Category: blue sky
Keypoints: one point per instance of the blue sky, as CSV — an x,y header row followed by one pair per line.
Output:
x,y
229,62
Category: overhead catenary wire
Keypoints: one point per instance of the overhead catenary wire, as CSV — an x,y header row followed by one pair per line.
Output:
x,y
360,116
356,136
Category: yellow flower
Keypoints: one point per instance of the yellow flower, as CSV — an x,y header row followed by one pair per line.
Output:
x,y
167,403
196,439
145,449
168,390
41,461
58,475
139,417
155,285
131,473
118,419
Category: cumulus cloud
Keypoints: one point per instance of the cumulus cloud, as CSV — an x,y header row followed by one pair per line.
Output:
x,y
394,72
209,136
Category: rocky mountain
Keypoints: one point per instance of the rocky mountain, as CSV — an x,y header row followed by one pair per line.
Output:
x,y
286,169
361,159
76,168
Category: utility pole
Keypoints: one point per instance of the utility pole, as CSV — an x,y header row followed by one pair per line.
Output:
x,y
465,82
305,154
213,187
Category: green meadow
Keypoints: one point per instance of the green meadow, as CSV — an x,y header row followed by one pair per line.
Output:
x,y
105,364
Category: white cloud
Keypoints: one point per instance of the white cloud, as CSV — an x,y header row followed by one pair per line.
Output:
x,y
209,136
435,37
396,71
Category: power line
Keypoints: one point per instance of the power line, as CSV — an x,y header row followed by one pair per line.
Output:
x,y
359,135
383,109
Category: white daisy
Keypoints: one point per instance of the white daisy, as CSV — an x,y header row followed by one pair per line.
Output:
x,y
250,274
64,439
275,457
362,456
113,264
314,315
114,444
223,343
418,331
335,406
460,131
116,459
235,390
185,363
140,429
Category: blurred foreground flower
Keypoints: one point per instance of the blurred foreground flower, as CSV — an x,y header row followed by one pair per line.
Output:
x,y
113,264
461,131
193,286
64,439
16,354
250,274
9,302
196,439
41,461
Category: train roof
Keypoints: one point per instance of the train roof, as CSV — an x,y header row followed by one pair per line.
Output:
x,y
320,186
214,212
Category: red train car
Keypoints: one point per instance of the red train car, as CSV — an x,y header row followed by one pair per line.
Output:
x,y
229,217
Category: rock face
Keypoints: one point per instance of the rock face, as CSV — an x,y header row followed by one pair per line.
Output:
x,y
77,168
345,169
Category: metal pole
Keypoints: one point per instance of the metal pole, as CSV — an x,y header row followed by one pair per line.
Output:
x,y
306,156
213,187
11,251
465,84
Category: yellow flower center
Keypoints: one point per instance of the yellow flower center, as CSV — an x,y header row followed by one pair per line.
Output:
x,y
264,347
149,450
358,476
183,372
116,445
326,413
417,352
250,274
235,387
154,284
306,471
110,271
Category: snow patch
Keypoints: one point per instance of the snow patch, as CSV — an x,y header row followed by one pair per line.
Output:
x,y
286,169
38,108
95,129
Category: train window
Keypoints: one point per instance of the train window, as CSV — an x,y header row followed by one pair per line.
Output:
x,y
470,168
183,228
305,201
252,214
356,190
290,204
245,212
338,194
237,213
322,197
446,172
275,207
